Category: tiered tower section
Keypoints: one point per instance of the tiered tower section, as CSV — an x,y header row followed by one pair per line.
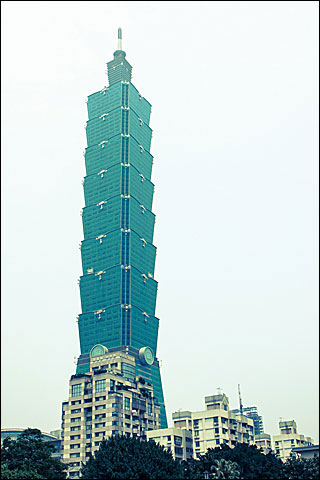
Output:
x,y
118,290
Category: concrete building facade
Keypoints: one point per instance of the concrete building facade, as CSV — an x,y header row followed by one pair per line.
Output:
x,y
263,441
179,441
214,426
289,439
108,400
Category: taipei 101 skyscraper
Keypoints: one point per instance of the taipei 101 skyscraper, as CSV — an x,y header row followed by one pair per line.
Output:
x,y
117,287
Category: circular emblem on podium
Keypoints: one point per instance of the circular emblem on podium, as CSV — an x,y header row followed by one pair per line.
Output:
x,y
146,356
98,350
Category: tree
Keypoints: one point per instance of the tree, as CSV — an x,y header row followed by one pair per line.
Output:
x,y
224,469
304,468
128,457
252,463
191,469
30,457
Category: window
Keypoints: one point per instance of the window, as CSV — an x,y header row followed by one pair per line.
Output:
x,y
75,445
99,398
74,437
127,403
149,409
77,410
100,416
75,402
100,385
76,419
197,444
73,455
178,450
76,390
73,429
88,435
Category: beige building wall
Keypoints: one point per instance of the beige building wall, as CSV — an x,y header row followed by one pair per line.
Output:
x,y
263,441
178,441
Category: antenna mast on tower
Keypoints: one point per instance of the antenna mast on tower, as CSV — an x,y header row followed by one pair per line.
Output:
x,y
240,400
119,38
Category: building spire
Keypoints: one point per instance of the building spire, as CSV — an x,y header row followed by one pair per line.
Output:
x,y
119,69
119,38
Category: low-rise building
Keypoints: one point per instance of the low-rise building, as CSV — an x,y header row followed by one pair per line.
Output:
x,y
178,441
263,441
106,401
14,433
307,452
214,426
289,439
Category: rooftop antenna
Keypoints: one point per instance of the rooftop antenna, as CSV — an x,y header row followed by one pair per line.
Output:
x,y
219,390
119,38
240,400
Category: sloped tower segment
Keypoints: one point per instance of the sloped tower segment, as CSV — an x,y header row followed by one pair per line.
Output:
x,y
117,288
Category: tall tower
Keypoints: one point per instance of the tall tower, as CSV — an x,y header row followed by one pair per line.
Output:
x,y
117,287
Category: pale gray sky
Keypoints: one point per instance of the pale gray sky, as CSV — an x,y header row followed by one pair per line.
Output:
x,y
233,87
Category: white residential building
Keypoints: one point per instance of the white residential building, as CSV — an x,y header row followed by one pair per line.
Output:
x,y
214,426
289,439
106,401
178,441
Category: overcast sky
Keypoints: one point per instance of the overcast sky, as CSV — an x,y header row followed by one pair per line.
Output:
x,y
233,88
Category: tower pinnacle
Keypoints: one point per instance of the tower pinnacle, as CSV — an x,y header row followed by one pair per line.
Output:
x,y
119,69
119,38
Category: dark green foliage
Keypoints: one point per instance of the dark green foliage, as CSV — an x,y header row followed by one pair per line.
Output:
x,y
224,469
301,468
191,469
251,462
126,457
30,457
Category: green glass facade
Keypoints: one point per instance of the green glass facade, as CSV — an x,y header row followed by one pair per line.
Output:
x,y
117,288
